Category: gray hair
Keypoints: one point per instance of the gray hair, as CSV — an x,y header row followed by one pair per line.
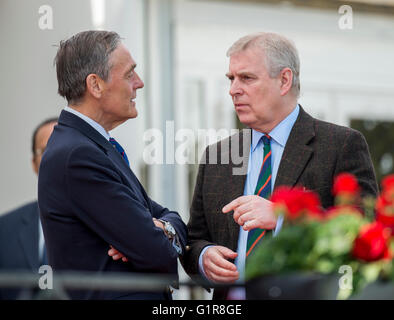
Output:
x,y
279,53
83,54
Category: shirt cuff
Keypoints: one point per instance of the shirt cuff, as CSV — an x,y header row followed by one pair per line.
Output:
x,y
200,265
176,243
279,224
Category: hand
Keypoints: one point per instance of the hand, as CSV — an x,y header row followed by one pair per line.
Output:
x,y
216,266
158,223
252,212
116,255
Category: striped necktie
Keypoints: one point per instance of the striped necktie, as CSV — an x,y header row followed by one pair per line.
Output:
x,y
119,148
263,189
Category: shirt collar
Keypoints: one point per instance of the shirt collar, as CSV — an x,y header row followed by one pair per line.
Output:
x,y
281,132
90,121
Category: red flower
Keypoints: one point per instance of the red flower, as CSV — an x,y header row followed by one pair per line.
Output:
x,y
333,212
388,182
372,243
345,183
386,220
385,212
385,203
388,188
297,201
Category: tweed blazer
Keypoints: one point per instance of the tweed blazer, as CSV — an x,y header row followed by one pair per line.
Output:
x,y
315,152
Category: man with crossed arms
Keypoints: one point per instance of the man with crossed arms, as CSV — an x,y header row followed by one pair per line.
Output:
x,y
88,195
299,150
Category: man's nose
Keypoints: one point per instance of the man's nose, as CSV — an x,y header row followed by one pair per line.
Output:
x,y
235,88
139,83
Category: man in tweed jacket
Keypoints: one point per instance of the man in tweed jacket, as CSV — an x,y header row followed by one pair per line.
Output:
x,y
264,75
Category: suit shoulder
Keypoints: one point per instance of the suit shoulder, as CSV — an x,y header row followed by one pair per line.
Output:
x,y
15,214
87,152
225,143
334,130
67,138
68,143
230,150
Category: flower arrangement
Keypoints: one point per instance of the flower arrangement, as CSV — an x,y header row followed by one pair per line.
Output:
x,y
357,233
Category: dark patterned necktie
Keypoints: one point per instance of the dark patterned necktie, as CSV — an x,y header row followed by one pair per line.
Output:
x,y
263,189
119,148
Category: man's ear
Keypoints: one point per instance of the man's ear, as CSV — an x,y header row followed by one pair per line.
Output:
x,y
286,78
35,164
94,85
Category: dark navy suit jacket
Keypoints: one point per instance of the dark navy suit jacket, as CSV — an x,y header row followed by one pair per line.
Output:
x,y
90,199
19,244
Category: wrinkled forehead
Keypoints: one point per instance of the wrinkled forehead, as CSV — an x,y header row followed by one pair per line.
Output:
x,y
121,59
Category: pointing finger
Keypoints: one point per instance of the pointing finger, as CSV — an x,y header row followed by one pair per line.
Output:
x,y
236,203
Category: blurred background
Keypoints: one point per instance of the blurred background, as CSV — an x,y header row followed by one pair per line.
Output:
x,y
347,76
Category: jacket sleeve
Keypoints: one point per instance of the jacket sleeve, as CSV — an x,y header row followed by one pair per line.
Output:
x,y
176,221
115,212
198,233
355,158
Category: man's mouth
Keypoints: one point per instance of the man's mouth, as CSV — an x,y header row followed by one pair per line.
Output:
x,y
240,105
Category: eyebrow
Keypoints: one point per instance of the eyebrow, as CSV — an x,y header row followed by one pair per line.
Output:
x,y
131,68
241,73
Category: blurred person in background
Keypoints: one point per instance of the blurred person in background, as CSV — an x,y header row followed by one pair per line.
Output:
x,y
283,145
22,246
89,198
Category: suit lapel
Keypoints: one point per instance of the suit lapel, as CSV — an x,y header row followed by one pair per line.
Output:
x,y
122,165
28,237
71,120
297,153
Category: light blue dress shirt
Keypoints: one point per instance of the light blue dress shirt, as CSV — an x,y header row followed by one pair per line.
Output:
x,y
93,123
279,136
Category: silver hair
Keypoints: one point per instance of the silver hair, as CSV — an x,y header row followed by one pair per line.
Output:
x,y
279,53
